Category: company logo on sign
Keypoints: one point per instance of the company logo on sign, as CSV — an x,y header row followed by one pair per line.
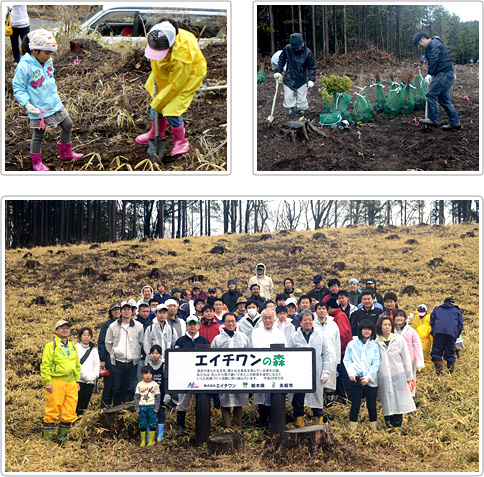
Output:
x,y
192,385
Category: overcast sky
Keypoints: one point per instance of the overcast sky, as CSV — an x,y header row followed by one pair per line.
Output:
x,y
467,11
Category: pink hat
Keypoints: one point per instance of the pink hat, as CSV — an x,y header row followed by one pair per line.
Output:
x,y
160,39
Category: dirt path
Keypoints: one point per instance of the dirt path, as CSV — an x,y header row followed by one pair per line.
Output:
x,y
386,144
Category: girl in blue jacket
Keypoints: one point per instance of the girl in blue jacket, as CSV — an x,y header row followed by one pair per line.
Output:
x,y
362,360
35,89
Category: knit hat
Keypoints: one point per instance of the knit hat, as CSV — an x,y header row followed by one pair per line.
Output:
x,y
296,40
449,300
422,310
231,280
160,39
175,289
42,39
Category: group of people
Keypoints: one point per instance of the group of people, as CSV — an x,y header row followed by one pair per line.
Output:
x,y
178,69
363,343
295,66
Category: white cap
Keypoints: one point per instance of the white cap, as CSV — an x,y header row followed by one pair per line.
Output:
x,y
291,301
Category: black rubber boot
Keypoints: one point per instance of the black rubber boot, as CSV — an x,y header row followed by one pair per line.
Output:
x,y
180,420
302,114
388,421
450,367
438,367
292,113
397,420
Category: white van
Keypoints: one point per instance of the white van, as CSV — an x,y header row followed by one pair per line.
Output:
x,y
118,22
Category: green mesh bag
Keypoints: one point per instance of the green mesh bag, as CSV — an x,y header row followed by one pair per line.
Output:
x,y
261,77
329,119
380,98
419,93
341,103
408,102
363,109
394,101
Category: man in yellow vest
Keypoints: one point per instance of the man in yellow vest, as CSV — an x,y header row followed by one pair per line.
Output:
x,y
60,371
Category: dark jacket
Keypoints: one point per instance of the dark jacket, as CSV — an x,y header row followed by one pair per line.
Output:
x,y
101,346
438,59
145,323
300,68
186,342
355,297
260,301
446,319
161,298
287,294
230,299
319,294
361,314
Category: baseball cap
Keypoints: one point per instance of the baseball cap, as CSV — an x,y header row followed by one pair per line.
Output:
x,y
125,303
212,289
175,289
162,306
170,302
114,306
371,280
241,299
193,318
60,323
160,39
196,285
291,301
449,300
317,279
422,310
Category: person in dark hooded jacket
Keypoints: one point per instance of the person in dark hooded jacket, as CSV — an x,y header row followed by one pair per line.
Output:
x,y
230,297
447,323
440,77
300,74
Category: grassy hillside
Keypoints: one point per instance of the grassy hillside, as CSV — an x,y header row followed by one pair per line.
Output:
x,y
442,435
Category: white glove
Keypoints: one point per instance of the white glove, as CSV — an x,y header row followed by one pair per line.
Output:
x,y
428,79
310,84
166,399
324,378
277,75
32,109
352,377
364,381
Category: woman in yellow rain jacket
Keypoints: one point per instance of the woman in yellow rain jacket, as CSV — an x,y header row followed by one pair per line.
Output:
x,y
421,324
60,371
178,67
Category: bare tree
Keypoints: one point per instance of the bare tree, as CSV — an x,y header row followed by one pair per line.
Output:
x,y
271,26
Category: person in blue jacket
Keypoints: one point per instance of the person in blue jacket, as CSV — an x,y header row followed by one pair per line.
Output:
x,y
446,323
440,77
362,360
105,362
300,75
35,89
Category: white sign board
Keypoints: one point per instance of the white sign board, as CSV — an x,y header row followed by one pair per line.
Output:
x,y
283,370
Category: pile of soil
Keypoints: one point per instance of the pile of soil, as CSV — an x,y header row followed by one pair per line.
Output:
x,y
109,106
395,144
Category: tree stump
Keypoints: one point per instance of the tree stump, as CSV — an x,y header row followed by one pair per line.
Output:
x,y
32,264
172,253
119,292
311,437
220,249
436,262
94,245
104,277
40,300
156,273
110,416
409,290
339,266
113,253
295,130
225,443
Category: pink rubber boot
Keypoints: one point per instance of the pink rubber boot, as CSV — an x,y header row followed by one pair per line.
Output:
x,y
37,164
145,138
180,143
65,152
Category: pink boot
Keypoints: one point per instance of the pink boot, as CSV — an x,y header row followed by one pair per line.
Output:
x,y
37,164
180,143
65,152
145,138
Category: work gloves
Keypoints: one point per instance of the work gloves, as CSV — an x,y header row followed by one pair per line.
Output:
x,y
166,399
310,84
32,109
324,378
364,380
277,75
428,79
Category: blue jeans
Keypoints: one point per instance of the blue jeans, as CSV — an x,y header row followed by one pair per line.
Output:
x,y
18,33
123,382
438,92
174,121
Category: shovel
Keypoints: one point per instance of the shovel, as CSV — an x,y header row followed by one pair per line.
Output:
x,y
156,146
271,116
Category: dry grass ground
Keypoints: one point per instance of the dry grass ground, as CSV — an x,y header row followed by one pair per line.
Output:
x,y
441,436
